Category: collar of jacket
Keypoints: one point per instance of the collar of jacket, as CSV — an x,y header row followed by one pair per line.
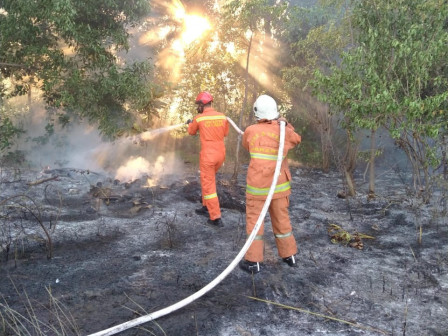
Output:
x,y
265,121
207,109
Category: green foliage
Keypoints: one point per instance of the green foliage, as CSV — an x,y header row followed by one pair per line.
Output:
x,y
216,67
318,50
253,15
44,139
253,27
8,131
13,159
396,76
316,37
393,77
107,97
67,49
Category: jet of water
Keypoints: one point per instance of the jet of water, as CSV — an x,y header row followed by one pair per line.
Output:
x,y
149,135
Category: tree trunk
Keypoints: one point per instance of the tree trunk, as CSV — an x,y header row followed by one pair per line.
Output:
x,y
29,97
325,137
372,164
240,122
325,155
350,165
444,158
350,183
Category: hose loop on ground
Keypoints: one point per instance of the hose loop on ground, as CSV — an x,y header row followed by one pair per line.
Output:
x,y
150,317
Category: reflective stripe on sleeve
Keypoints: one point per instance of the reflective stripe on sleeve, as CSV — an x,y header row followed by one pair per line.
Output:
x,y
264,191
211,118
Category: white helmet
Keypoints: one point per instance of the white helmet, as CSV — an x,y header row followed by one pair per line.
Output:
x,y
265,107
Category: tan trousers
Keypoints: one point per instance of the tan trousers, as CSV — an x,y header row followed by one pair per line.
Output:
x,y
281,226
208,186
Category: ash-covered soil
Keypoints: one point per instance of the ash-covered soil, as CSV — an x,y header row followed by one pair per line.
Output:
x,y
122,250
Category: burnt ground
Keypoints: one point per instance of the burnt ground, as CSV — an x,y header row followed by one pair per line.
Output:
x,y
120,250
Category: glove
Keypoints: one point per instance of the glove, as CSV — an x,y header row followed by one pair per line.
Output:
x,y
283,119
189,121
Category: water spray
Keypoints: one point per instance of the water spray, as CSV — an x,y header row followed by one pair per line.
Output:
x,y
165,311
149,135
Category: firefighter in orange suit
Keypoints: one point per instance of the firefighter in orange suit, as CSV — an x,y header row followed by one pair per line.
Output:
x,y
262,141
213,127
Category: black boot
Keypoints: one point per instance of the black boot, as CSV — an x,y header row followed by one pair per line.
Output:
x,y
291,261
250,266
202,211
215,223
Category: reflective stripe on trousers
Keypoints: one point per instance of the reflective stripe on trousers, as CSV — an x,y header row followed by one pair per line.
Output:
x,y
265,191
207,197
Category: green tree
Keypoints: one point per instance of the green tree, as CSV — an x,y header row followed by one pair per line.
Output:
x,y
315,38
67,50
396,77
246,23
8,132
316,48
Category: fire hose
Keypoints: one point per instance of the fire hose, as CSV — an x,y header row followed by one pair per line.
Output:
x,y
165,311
240,132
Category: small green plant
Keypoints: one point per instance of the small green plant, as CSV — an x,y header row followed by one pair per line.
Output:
x,y
340,236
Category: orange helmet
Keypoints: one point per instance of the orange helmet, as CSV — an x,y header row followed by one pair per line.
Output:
x,y
204,98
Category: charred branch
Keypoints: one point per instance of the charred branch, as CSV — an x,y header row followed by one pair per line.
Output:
x,y
43,180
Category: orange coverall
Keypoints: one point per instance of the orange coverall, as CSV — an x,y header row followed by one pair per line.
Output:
x,y
262,141
213,127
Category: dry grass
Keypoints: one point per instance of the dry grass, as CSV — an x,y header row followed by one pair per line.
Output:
x,y
37,318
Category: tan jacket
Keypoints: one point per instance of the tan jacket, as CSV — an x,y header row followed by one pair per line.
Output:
x,y
213,127
262,141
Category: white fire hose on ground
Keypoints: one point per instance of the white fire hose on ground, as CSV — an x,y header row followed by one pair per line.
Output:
x,y
165,311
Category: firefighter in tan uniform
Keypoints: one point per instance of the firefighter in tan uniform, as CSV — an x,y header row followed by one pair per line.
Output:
x,y
213,127
262,141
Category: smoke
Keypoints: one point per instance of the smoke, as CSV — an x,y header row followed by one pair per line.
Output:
x,y
133,169
124,160
81,146
138,167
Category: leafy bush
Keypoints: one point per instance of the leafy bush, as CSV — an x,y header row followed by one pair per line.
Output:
x,y
8,132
